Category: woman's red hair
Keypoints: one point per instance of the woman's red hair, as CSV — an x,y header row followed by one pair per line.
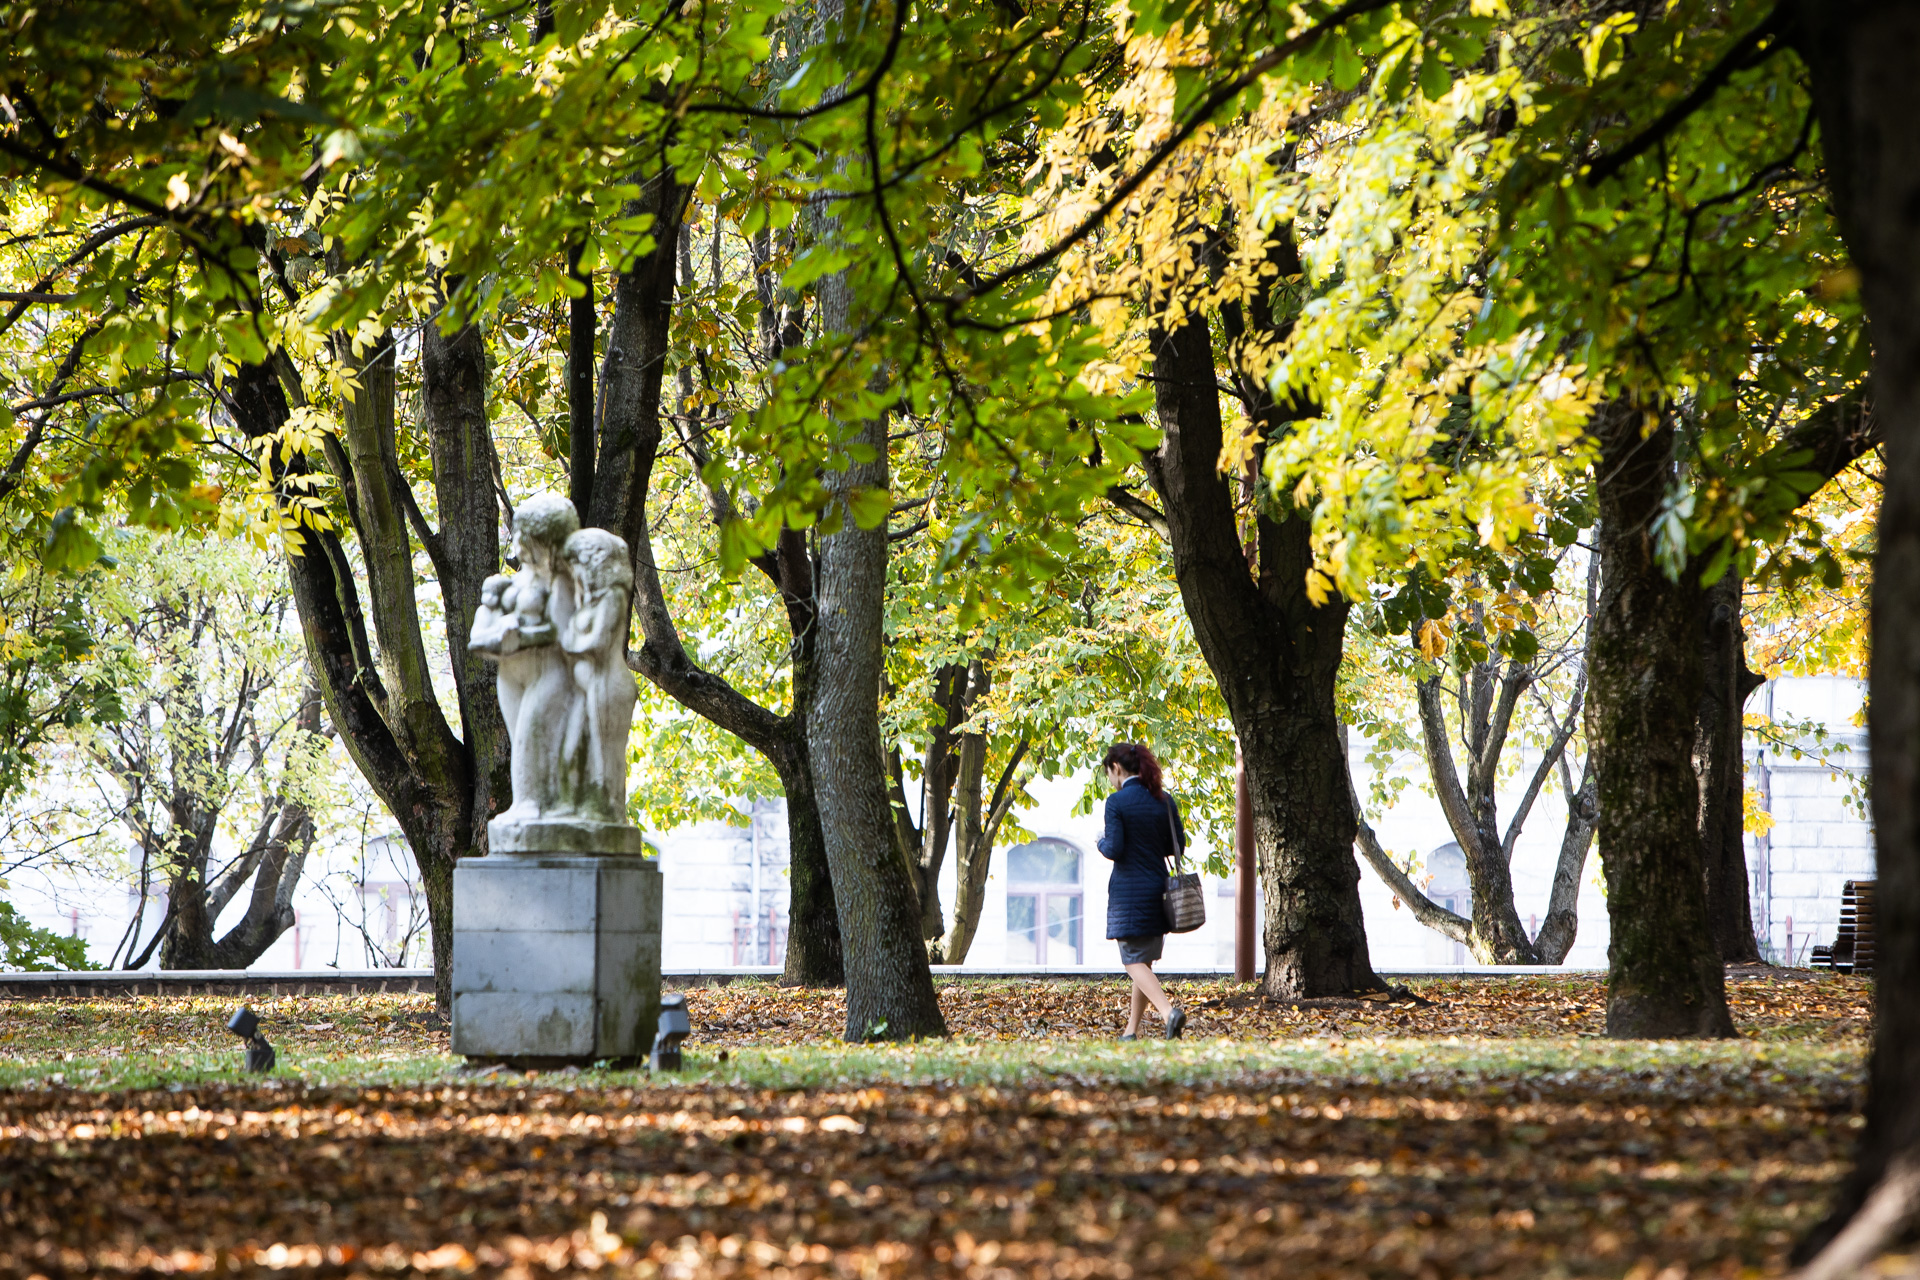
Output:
x,y
1136,759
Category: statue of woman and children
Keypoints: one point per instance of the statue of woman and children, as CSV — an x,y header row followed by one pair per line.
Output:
x,y
558,629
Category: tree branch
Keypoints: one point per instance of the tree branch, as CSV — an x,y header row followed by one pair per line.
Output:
x,y
1735,59
1140,509
1424,909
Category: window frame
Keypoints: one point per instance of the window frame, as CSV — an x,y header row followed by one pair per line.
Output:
x,y
1041,891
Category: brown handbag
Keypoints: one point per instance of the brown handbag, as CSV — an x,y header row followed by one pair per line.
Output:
x,y
1186,901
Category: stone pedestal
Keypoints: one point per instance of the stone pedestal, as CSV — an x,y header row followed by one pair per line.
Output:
x,y
555,957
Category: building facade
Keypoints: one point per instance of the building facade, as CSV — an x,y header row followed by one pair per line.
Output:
x,y
727,895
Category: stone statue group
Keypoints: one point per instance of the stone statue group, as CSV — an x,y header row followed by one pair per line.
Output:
x,y
558,629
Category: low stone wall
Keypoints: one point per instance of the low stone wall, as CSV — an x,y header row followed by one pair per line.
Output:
x,y
211,982
314,982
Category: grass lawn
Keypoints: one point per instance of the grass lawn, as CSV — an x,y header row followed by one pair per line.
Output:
x,y
1490,1133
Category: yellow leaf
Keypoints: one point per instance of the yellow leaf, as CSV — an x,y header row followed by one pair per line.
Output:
x,y
1433,641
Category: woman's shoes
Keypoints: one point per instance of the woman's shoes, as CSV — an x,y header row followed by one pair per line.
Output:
x,y
1129,1036
1176,1022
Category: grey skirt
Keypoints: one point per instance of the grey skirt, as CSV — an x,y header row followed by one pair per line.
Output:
x,y
1142,950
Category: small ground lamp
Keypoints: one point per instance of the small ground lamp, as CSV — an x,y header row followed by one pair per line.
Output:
x,y
674,1028
244,1024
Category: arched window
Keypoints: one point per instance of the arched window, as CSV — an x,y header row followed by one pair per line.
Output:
x,y
1043,903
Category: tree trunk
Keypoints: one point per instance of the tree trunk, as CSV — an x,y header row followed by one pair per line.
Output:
x,y
890,992
466,550
189,940
1861,57
815,956
1497,936
1276,656
398,739
634,370
274,861
1665,978
973,854
1719,762
1562,925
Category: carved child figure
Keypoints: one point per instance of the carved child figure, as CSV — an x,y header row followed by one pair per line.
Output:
x,y
596,638
517,623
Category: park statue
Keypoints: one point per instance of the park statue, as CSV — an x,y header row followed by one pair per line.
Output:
x,y
558,630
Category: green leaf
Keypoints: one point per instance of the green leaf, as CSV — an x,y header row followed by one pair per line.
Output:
x,y
870,507
1347,66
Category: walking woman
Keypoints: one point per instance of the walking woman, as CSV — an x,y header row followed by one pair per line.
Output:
x,y
1143,825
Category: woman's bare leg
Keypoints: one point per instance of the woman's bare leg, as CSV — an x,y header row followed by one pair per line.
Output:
x,y
1136,1007
1145,984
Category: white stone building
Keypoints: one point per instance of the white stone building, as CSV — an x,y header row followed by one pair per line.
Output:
x,y
1046,901
726,884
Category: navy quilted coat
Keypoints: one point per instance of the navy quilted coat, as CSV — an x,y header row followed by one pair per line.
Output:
x,y
1136,841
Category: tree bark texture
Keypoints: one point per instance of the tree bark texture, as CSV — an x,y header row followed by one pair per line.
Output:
x,y
1719,762
889,986
1665,978
1276,656
1861,58
466,550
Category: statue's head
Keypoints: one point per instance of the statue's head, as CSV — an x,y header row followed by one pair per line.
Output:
x,y
541,527
599,560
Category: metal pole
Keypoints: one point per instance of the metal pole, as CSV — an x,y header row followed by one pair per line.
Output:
x,y
1243,889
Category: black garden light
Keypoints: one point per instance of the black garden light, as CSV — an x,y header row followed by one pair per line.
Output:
x,y
674,1027
246,1025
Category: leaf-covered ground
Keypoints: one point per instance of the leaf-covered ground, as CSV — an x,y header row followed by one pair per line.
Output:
x,y
1487,1135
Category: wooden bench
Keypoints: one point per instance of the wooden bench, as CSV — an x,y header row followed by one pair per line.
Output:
x,y
1852,950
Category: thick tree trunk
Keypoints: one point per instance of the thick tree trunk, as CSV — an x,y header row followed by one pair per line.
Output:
x,y
890,992
189,939
1719,762
1665,976
466,550
1861,57
1276,656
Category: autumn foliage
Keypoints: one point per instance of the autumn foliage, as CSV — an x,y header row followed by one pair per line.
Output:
x,y
1491,1132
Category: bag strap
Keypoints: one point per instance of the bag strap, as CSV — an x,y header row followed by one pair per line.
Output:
x,y
1173,833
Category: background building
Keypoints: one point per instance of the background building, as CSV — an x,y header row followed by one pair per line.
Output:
x,y
727,900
